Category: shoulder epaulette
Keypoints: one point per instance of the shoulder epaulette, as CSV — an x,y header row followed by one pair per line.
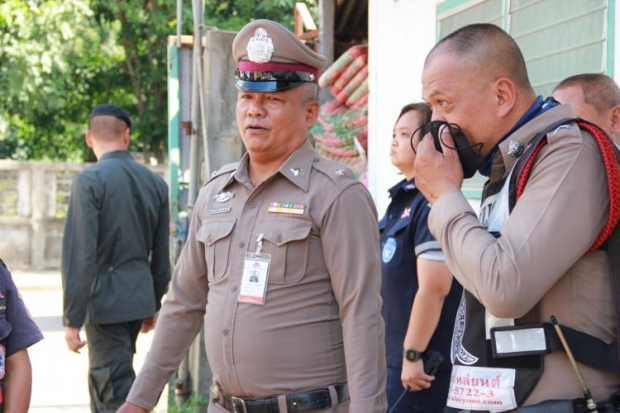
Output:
x,y
341,175
231,167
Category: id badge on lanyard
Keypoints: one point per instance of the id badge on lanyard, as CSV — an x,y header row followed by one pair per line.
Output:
x,y
255,275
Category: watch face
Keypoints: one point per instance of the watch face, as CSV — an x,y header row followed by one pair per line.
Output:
x,y
413,355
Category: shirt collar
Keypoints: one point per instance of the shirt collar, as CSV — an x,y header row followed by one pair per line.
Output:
x,y
539,107
296,168
526,132
403,186
116,154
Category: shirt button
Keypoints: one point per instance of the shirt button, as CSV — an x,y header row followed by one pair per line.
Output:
x,y
241,244
209,238
234,288
253,205
279,238
225,332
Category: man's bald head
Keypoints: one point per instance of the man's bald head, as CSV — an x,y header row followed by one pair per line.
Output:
x,y
598,90
594,97
487,48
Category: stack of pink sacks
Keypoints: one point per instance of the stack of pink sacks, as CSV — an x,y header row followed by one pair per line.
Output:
x,y
341,132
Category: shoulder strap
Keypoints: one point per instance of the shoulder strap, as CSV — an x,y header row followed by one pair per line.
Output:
x,y
523,167
611,160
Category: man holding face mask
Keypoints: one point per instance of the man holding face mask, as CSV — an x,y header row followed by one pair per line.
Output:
x,y
519,262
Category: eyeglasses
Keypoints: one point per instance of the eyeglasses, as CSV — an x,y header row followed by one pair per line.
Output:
x,y
278,76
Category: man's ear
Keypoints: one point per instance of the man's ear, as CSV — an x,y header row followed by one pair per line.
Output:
x,y
126,137
615,120
505,95
88,139
312,112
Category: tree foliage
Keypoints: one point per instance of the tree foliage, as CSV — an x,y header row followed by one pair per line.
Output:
x,y
60,58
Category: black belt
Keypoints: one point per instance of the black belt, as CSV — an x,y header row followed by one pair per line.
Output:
x,y
295,402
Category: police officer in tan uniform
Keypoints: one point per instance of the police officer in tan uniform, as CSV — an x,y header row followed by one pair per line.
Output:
x,y
282,259
594,97
518,266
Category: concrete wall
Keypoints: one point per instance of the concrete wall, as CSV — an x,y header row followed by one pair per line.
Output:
x,y
401,33
33,207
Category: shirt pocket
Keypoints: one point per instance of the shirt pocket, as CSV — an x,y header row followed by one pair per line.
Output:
x,y
216,236
287,240
392,248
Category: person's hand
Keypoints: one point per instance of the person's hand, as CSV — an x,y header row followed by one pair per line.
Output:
x,y
149,323
131,408
74,342
437,173
413,376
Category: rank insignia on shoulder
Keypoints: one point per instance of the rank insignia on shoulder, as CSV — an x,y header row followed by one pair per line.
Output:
x,y
515,149
287,208
406,213
223,197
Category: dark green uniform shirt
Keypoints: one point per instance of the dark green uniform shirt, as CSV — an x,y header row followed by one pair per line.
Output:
x,y
115,262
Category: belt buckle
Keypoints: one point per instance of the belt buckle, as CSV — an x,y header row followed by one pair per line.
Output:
x,y
236,401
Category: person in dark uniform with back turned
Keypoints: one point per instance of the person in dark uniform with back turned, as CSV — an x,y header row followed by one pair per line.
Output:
x,y
420,296
18,331
115,259
307,336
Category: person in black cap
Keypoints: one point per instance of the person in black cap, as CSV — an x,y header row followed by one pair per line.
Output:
x,y
308,335
115,265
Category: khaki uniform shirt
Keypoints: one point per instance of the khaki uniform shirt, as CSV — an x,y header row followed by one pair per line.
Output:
x,y
539,258
321,321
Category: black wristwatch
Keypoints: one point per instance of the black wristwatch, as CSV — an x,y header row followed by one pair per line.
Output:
x,y
411,354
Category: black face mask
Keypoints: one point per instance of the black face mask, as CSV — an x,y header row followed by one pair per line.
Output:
x,y
469,155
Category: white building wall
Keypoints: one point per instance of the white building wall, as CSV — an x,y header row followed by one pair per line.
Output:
x,y
401,33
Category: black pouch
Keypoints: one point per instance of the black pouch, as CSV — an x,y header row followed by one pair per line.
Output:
x,y
432,360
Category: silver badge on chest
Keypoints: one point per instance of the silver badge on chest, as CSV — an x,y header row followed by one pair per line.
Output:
x,y
223,197
260,47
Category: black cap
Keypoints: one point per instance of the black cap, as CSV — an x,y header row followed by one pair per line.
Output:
x,y
111,110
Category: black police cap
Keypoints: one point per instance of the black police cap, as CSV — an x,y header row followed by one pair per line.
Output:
x,y
111,110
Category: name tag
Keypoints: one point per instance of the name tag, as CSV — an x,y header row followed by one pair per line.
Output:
x,y
254,278
482,388
220,210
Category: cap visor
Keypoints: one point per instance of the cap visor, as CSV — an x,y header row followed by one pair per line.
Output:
x,y
265,86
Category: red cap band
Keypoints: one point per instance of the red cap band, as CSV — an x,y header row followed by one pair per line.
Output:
x,y
246,66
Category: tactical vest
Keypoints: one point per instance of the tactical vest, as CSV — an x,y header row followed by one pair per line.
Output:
x,y
486,368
